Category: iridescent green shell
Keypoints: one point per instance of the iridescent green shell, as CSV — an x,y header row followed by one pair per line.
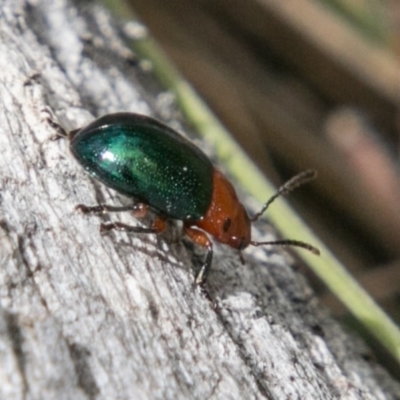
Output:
x,y
148,161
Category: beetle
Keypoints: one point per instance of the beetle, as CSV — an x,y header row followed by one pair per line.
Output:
x,y
159,169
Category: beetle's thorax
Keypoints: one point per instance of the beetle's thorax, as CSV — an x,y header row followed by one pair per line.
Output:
x,y
226,219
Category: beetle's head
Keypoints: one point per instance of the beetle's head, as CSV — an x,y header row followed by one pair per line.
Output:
x,y
226,219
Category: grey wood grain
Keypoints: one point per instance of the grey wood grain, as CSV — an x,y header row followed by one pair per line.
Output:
x,y
85,316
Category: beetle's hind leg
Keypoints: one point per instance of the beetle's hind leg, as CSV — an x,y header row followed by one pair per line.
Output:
x,y
159,225
139,210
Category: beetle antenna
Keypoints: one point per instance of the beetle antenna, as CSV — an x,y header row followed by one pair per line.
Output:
x,y
289,242
286,188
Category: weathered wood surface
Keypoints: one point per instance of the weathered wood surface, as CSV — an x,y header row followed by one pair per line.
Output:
x,y
89,317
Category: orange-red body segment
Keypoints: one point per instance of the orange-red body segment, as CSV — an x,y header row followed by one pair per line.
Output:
x,y
226,219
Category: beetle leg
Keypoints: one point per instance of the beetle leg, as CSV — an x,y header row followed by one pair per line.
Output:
x,y
139,210
157,226
201,238
49,118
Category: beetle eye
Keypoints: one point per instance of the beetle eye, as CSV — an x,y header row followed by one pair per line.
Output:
x,y
227,224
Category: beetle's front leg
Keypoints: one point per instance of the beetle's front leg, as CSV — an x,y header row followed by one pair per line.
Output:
x,y
201,238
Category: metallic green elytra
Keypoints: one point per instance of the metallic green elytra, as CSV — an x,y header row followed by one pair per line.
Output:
x,y
144,159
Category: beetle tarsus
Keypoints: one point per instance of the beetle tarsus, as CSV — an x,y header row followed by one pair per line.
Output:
x,y
202,274
201,238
